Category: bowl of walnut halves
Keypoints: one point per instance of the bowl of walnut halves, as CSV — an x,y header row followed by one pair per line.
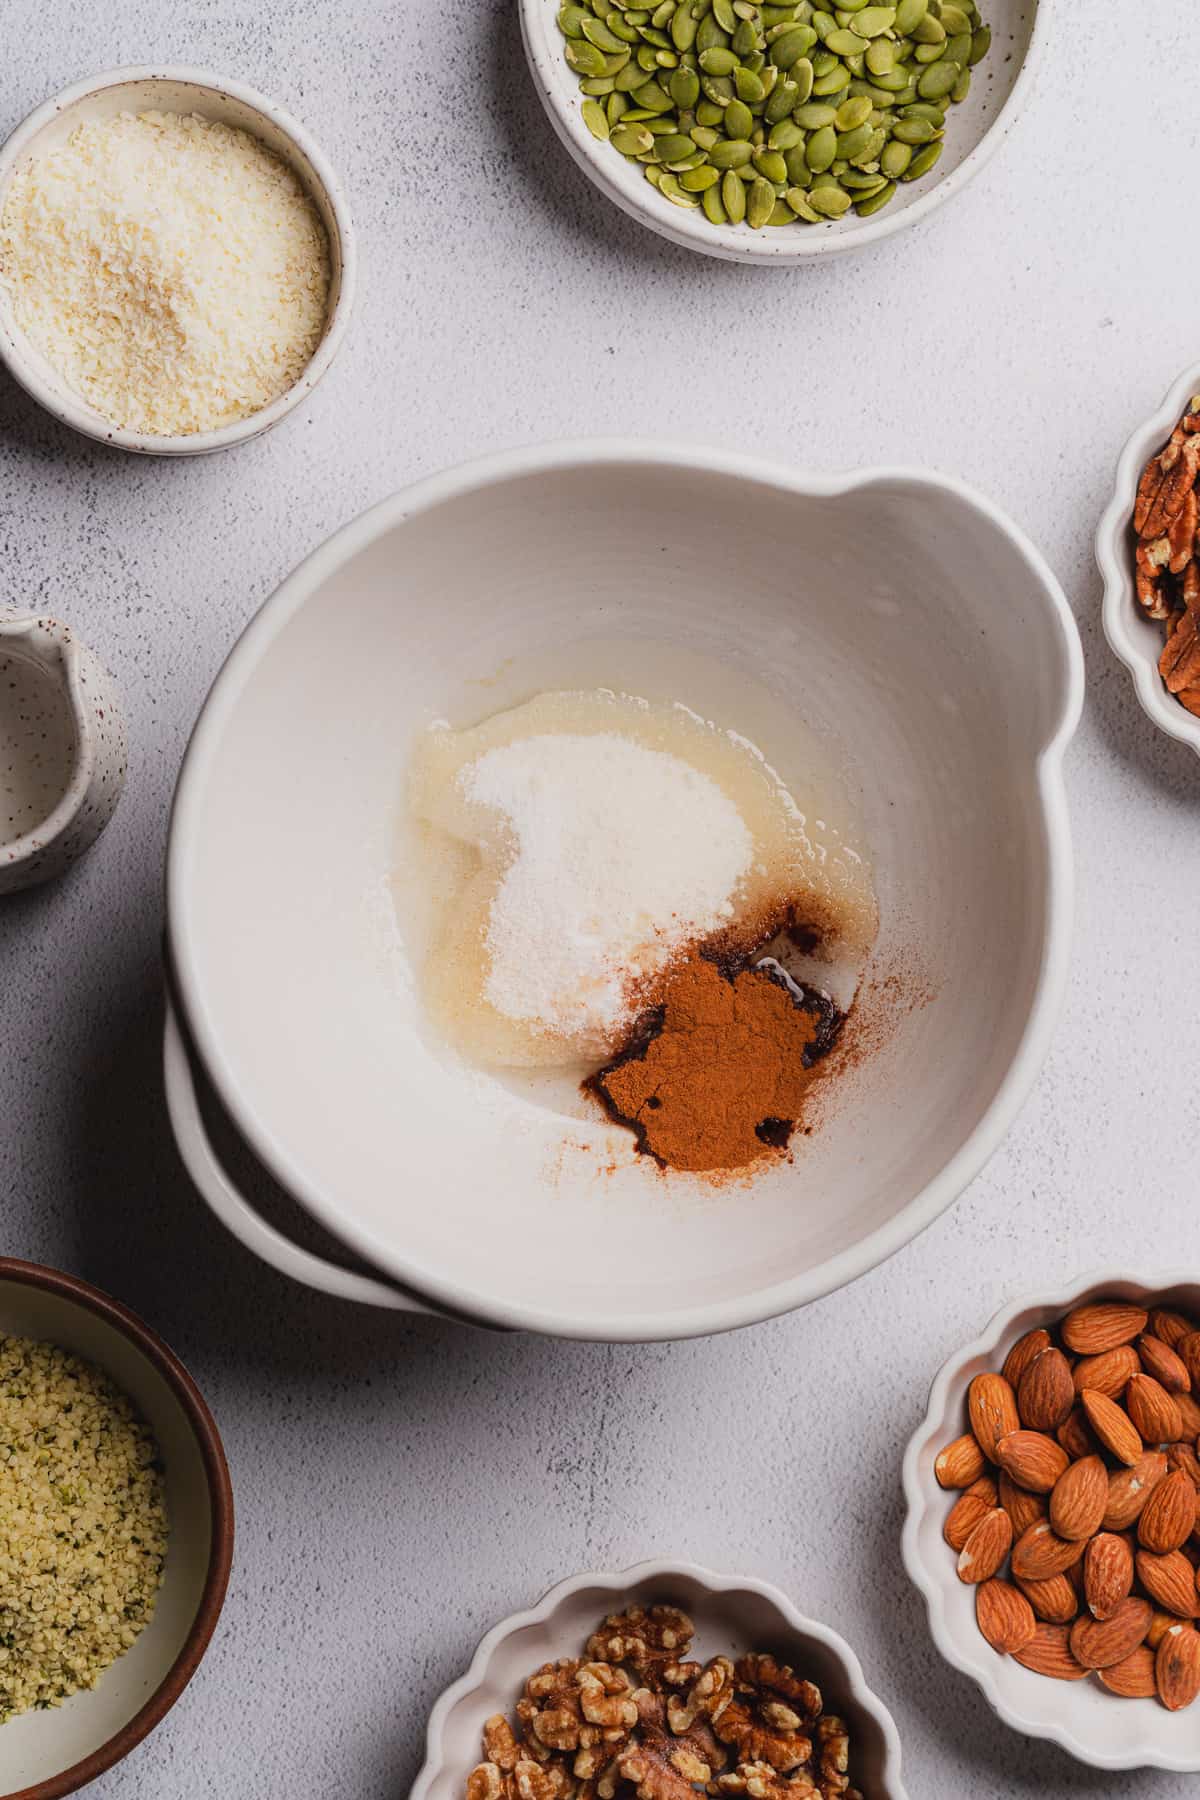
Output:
x,y
1148,549
663,1682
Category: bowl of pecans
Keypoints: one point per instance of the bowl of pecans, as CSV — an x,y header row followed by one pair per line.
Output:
x,y
1148,551
662,1680
1054,1518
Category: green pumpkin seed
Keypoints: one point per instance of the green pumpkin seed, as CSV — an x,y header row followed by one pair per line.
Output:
x,y
881,56
821,149
653,173
853,112
929,53
739,120
895,158
714,210
922,162
823,63
748,87
852,143
699,180
733,198
909,14
860,182
704,137
801,78
615,108
816,114
730,153
833,83
933,110
745,38
873,21
914,131
844,42
760,203
709,36
595,118
798,200
961,88
958,49
770,164
674,146
584,58
981,43
725,16
602,85
669,186
954,19
718,62
717,88
571,20
620,29
785,136
684,88
868,156
597,32
630,78
781,213
929,31
789,48
892,83
781,102
798,172
632,140
937,80
830,202
874,202
661,15
707,113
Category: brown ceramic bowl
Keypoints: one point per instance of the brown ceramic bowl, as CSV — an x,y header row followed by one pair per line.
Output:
x,y
44,1755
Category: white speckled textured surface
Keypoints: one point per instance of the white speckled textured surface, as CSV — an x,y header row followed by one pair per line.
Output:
x,y
402,1486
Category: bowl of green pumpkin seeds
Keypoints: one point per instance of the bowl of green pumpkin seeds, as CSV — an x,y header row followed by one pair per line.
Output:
x,y
766,132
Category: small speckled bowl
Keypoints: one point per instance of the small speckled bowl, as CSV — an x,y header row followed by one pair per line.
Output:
x,y
1137,640
62,750
175,90
732,1614
45,1755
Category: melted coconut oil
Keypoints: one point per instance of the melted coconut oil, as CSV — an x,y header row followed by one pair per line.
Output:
x,y
537,950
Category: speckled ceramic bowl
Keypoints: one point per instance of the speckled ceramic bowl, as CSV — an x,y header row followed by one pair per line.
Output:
x,y
165,88
45,1755
62,750
974,132
1137,640
732,1614
1093,1725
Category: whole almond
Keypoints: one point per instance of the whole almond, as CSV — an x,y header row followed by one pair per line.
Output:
x,y
1107,1573
1040,1552
1022,1354
1004,1616
1129,1489
1169,1326
1105,1325
1054,1599
1075,1435
1169,1580
987,1547
1154,1412
964,1516
1046,1393
1033,1460
1189,1412
1098,1643
1183,1456
993,1409
1022,1507
1159,1360
1169,1516
1177,1667
1109,1373
1080,1499
1187,1349
1112,1426
960,1463
1160,1624
1048,1652
1133,1677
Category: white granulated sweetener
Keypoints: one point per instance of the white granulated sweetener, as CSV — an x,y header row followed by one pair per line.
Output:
x,y
172,269
620,856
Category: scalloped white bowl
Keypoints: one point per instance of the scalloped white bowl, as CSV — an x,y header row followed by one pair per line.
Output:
x,y
1138,641
895,614
975,130
1083,1717
733,1614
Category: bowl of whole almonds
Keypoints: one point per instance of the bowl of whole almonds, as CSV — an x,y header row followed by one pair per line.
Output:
x,y
1054,1518
661,1680
1148,550
771,133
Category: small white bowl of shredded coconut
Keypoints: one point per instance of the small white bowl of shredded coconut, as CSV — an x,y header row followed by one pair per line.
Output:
x,y
177,260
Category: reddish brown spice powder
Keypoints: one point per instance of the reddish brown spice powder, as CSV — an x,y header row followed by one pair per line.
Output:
x,y
715,1078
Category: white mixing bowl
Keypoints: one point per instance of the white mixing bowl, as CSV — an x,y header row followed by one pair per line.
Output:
x,y
899,615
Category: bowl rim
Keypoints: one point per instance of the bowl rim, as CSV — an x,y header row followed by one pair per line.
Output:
x,y
162,1358
620,1582
20,851
476,477
920,1493
726,241
1119,611
73,410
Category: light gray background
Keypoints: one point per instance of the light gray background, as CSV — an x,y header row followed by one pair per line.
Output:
x,y
402,1486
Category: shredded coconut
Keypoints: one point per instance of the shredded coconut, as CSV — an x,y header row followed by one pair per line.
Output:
x,y
172,269
620,856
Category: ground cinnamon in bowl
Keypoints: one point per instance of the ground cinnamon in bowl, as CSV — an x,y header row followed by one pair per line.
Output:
x,y
715,1077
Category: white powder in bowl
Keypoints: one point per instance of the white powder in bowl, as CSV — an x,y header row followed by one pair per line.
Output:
x,y
172,269
620,854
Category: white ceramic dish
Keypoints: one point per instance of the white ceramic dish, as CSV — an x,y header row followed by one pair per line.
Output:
x,y
974,132
1081,1716
166,88
918,628
44,1755
1138,641
732,1614
64,750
